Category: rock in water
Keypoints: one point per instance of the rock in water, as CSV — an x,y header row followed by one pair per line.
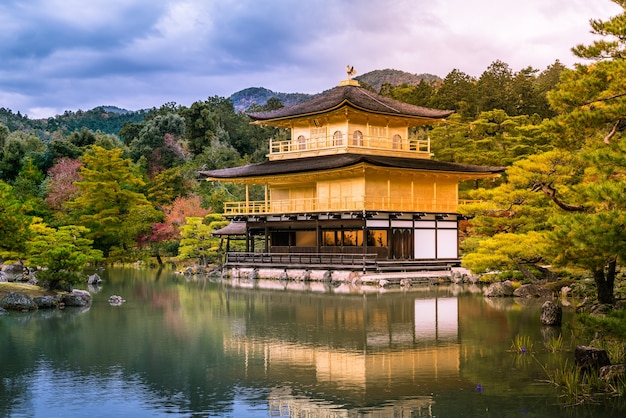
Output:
x,y
77,298
499,289
116,300
16,301
532,291
551,313
94,279
591,357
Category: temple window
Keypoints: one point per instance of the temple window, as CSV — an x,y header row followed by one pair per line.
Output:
x,y
353,238
346,238
357,138
397,141
337,138
377,238
301,142
331,238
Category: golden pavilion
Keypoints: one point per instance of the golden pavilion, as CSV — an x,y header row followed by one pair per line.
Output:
x,y
350,188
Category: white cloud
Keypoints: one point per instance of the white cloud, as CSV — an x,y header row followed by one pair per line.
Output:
x,y
42,112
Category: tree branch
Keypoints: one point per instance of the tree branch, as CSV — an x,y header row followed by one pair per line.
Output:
x,y
607,139
550,191
604,99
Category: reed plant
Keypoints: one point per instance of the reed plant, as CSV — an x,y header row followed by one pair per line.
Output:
x,y
568,378
555,344
581,386
522,344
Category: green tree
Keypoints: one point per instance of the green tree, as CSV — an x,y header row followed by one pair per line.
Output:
x,y
19,146
83,138
583,182
591,100
494,88
14,223
63,253
4,133
494,139
420,95
200,125
28,181
167,186
111,203
458,92
510,222
545,82
160,141
196,240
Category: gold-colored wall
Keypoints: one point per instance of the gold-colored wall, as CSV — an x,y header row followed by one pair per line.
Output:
x,y
376,189
413,192
346,194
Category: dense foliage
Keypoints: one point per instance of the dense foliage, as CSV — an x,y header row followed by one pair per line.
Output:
x,y
569,198
125,183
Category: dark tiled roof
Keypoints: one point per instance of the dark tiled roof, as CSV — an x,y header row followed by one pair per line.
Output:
x,y
233,228
329,162
354,96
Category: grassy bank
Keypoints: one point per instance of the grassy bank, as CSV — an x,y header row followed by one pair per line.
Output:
x,y
27,289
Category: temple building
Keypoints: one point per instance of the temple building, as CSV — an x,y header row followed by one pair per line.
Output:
x,y
353,186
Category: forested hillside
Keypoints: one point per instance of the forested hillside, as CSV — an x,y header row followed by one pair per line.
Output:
x,y
258,96
377,78
106,119
110,119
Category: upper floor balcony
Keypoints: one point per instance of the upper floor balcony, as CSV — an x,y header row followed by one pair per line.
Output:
x,y
369,203
343,142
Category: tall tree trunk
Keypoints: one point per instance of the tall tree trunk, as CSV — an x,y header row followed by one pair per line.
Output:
x,y
605,283
527,273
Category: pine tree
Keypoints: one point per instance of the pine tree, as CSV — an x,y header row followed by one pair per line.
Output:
x,y
110,201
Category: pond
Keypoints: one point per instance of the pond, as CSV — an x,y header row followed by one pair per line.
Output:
x,y
204,347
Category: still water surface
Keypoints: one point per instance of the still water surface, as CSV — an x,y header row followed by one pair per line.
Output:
x,y
206,348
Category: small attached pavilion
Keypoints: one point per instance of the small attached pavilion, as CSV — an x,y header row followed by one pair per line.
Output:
x,y
351,187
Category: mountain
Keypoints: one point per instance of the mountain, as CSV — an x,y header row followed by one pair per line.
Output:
x,y
375,79
243,99
110,119
115,110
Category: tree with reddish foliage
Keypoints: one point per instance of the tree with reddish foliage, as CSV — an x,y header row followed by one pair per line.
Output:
x,y
164,234
61,187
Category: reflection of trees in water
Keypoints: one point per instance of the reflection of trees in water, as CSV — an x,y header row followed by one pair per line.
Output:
x,y
502,304
196,345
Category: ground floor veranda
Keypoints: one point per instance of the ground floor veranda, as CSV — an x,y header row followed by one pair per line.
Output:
x,y
367,240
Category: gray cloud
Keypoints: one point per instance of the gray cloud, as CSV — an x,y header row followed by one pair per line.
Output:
x,y
58,55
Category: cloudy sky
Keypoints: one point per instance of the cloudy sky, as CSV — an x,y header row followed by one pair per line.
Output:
x,y
58,55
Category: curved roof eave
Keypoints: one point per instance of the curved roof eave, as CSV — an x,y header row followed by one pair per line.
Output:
x,y
354,96
329,162
348,103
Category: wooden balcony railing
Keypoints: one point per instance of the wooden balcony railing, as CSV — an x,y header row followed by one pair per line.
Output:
x,y
370,203
296,145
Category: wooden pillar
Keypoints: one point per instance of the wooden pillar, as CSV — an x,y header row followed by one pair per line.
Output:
x,y
247,198
318,232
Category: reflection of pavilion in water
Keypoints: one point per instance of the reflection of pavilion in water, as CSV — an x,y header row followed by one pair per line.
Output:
x,y
352,351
